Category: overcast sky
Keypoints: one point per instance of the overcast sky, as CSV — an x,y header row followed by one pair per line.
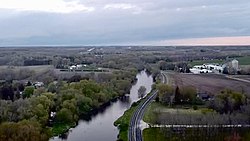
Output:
x,y
114,22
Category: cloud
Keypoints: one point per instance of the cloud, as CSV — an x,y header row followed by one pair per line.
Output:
x,y
211,41
120,22
123,6
52,6
119,6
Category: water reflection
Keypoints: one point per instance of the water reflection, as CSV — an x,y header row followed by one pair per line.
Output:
x,y
99,126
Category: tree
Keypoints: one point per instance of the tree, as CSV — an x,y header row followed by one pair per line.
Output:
x,y
29,83
23,131
28,91
141,91
84,104
165,93
40,114
189,93
21,87
178,96
225,70
64,116
7,92
162,65
52,88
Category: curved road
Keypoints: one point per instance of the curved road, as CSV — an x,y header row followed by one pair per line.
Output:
x,y
135,133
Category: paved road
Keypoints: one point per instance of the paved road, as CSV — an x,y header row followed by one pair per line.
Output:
x,y
135,133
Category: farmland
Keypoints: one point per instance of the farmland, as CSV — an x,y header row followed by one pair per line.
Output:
x,y
210,83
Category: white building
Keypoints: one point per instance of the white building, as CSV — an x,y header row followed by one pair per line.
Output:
x,y
235,64
198,70
232,67
72,67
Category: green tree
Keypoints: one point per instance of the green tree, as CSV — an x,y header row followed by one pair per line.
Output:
x,y
40,114
189,93
52,87
84,104
64,116
28,91
165,93
23,131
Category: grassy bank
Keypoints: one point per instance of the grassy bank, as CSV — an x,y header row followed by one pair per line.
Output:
x,y
123,122
60,128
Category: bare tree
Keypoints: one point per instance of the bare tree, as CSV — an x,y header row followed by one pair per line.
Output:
x,y
141,91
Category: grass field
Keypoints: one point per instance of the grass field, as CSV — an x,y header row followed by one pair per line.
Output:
x,y
156,107
189,134
201,62
192,134
153,134
242,61
38,69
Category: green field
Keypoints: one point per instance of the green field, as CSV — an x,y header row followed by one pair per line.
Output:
x,y
153,134
195,134
155,108
201,62
242,61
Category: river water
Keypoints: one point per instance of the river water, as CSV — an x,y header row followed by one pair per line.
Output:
x,y
100,126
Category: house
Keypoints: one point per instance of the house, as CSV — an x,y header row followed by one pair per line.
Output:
x,y
38,84
199,69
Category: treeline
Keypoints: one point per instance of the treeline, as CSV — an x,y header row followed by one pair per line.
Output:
x,y
169,95
26,119
34,62
226,107
52,110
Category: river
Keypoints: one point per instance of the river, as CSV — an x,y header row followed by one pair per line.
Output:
x,y
100,126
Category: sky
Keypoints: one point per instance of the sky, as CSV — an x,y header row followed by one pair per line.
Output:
x,y
124,22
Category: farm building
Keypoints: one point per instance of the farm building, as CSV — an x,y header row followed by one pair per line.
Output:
x,y
230,67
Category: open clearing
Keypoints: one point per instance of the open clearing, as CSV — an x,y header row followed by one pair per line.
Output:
x,y
38,69
211,83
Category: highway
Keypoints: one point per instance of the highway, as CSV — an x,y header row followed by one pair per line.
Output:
x,y
135,133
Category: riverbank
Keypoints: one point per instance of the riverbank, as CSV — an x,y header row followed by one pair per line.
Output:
x,y
104,117
59,129
122,123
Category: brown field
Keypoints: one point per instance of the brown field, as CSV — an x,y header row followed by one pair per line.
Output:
x,y
210,83
245,77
